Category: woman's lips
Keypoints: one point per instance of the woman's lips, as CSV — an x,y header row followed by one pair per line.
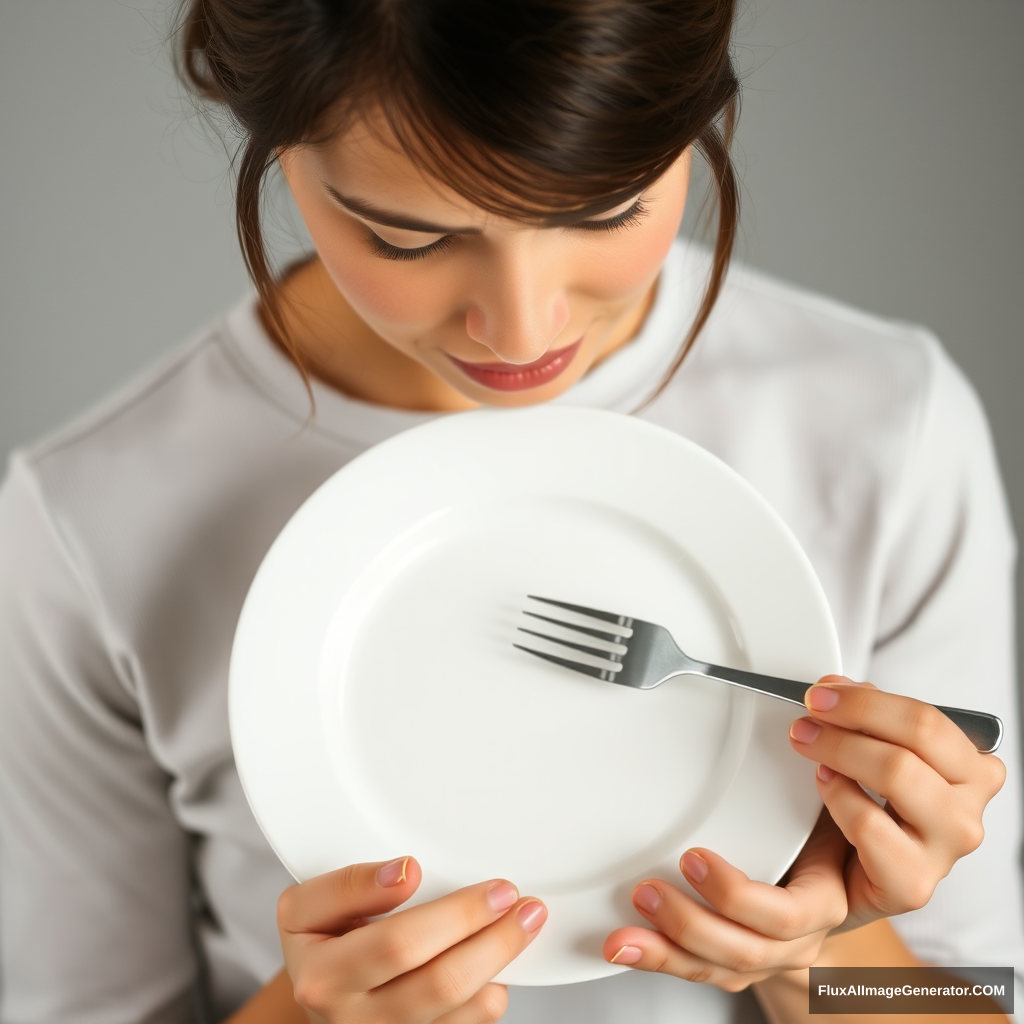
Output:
x,y
508,377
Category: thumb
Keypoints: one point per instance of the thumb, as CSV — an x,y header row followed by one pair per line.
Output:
x,y
338,901
824,855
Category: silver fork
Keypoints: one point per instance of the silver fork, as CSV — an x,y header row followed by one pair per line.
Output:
x,y
651,656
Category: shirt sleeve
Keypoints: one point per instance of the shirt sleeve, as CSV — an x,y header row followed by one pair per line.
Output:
x,y
94,878
946,635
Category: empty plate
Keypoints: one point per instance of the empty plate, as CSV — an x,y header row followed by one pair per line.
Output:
x,y
378,707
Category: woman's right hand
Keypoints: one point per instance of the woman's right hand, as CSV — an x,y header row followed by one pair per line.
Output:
x,y
430,963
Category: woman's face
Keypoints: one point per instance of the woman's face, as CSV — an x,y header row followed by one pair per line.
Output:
x,y
504,313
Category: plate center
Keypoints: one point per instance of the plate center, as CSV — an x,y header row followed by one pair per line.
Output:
x,y
483,761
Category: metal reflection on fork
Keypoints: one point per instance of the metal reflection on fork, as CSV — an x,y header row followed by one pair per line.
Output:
x,y
649,656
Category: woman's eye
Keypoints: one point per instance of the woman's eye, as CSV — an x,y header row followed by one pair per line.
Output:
x,y
387,251
633,215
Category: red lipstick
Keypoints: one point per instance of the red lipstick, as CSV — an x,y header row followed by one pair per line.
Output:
x,y
509,377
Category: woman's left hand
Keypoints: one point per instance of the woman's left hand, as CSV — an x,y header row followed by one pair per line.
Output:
x,y
862,862
934,781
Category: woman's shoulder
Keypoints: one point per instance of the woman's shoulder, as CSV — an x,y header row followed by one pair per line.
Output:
x,y
192,465
825,406
760,314
131,412
200,406
776,346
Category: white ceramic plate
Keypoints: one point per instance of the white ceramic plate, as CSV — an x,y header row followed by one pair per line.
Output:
x,y
378,707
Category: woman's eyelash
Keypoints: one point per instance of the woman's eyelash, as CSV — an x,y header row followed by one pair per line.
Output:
x,y
627,218
395,252
387,251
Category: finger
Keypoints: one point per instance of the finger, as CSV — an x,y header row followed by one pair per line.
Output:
x,y
332,902
901,720
898,870
705,933
646,950
391,947
456,975
921,797
488,1005
813,899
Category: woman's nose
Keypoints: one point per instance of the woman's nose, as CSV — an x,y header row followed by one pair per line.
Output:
x,y
520,318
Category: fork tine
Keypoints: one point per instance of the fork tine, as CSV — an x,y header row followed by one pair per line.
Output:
x,y
597,652
601,634
619,620
588,670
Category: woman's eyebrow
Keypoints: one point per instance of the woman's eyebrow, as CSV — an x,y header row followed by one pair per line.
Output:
x,y
393,220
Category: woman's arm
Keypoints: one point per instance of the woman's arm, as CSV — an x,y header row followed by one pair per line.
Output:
x,y
94,866
273,1004
784,997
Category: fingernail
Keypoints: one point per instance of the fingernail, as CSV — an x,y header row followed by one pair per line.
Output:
x,y
822,698
627,955
803,730
695,867
825,773
647,898
501,896
532,915
392,873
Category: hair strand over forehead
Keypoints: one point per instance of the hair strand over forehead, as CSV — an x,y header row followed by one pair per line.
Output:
x,y
527,108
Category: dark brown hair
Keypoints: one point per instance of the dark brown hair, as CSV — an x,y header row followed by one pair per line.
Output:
x,y
528,108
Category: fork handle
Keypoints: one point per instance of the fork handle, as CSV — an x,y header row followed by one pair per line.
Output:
x,y
787,689
983,730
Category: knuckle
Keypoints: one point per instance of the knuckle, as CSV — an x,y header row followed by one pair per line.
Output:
x,y
346,883
729,901
308,991
864,825
448,986
804,958
677,929
926,726
791,922
840,740
836,914
700,972
397,950
493,1003
969,836
898,766
748,959
916,892
995,773
735,983
287,907
514,943
657,961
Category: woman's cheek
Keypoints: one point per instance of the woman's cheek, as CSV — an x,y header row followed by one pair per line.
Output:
x,y
389,295
625,263
616,267
393,302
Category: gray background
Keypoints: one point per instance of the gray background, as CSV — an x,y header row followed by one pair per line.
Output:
x,y
881,147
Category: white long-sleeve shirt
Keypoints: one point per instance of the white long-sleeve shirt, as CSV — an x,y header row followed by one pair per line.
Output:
x,y
128,541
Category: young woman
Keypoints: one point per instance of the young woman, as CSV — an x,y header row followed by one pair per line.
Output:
x,y
494,191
